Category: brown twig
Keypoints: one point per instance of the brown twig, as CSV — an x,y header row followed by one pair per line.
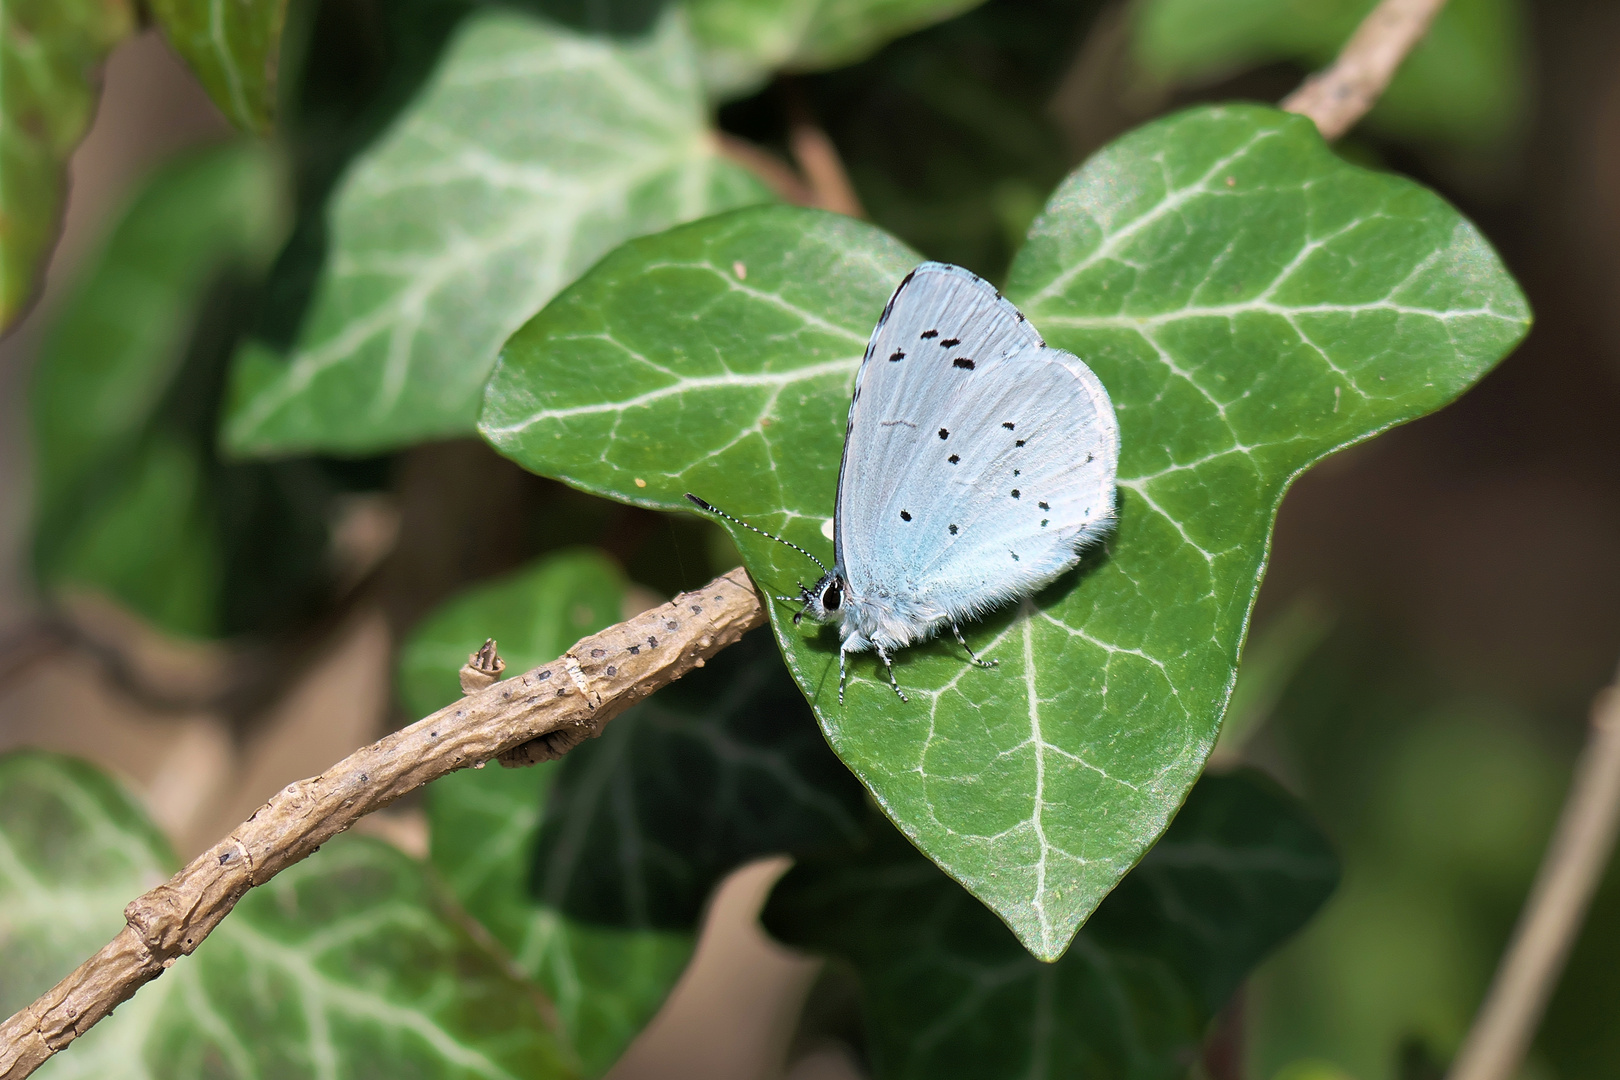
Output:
x,y
818,159
1341,95
600,677
1555,909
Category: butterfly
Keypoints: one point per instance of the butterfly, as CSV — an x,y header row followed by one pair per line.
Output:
x,y
979,462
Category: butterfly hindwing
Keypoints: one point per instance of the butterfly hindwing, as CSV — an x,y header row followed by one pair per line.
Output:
x,y
977,459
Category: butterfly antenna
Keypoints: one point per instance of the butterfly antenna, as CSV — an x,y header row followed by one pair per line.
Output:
x,y
701,505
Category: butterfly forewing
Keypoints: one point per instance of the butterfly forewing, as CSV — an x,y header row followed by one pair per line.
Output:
x,y
977,460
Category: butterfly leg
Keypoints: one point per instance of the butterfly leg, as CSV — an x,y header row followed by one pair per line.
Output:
x,y
884,656
842,671
960,640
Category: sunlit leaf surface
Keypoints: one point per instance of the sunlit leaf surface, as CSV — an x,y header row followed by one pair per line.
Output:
x,y
532,150
1251,302
342,965
948,992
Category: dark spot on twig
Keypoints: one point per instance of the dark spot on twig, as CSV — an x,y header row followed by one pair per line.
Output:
x,y
635,650
696,610
597,654
612,670
543,675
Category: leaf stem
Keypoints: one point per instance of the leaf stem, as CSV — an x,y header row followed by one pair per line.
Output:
x,y
1339,96
561,703
1555,909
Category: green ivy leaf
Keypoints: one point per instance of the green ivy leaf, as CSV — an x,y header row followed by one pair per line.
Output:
x,y
344,963
74,849
122,398
531,151
948,992
235,50
50,55
1464,83
1251,301
745,40
598,899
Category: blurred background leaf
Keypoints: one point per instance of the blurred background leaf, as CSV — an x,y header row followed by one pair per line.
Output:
x,y
745,40
50,59
132,500
598,898
347,962
235,50
948,991
531,151
1463,84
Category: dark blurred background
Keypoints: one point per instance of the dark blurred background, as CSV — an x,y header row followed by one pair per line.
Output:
x,y
1442,605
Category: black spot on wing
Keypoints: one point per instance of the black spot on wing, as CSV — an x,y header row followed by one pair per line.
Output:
x,y
897,356
944,434
926,334
905,515
962,362
1020,442
1044,506
953,530
950,343
1007,424
1015,493
953,459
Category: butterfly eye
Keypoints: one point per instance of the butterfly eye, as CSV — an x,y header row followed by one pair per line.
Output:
x,y
832,598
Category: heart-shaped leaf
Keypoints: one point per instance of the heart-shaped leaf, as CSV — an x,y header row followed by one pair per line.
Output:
x,y
1251,301
948,992
51,52
531,151
598,898
345,964
235,50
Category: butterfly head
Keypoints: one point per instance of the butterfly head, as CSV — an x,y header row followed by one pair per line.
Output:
x,y
824,601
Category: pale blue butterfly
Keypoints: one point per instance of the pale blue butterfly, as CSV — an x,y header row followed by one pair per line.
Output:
x,y
978,464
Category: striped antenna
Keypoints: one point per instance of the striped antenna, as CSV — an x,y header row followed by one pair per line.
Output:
x,y
701,505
